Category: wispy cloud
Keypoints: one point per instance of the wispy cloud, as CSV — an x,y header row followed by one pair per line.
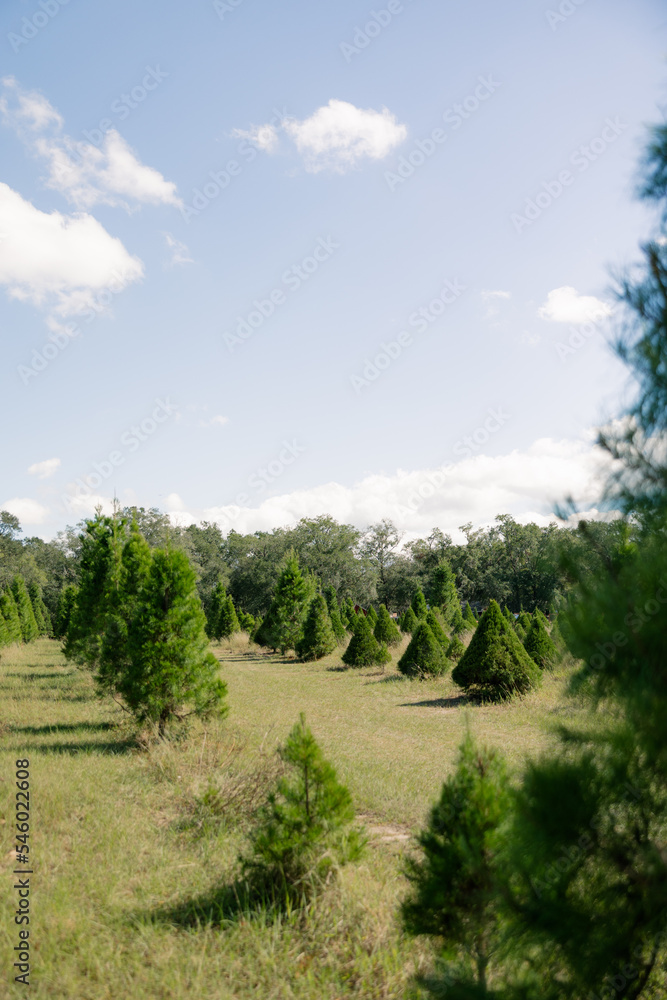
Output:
x,y
566,305
44,469
179,252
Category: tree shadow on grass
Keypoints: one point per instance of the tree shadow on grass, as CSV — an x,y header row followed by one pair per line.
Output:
x,y
461,699
40,677
228,904
111,748
61,727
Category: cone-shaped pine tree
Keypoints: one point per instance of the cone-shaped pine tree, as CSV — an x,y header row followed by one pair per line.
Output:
x,y
66,603
409,622
469,616
538,644
42,616
424,654
318,638
228,623
524,620
371,614
337,623
4,632
289,607
350,614
171,663
29,629
508,615
216,602
246,621
495,665
436,628
454,883
442,592
386,630
11,615
543,618
418,604
363,649
457,623
303,831
456,649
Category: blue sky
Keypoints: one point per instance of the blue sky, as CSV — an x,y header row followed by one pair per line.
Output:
x,y
392,301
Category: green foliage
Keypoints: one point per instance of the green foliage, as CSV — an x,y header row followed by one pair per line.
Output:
x,y
469,617
457,623
371,614
318,638
10,615
42,616
433,622
442,593
228,622
4,632
454,880
424,656
335,616
538,643
216,602
409,622
29,627
303,832
363,650
508,615
455,649
66,605
386,630
524,620
495,665
418,604
246,622
284,622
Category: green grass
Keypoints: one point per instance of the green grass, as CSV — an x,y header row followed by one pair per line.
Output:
x,y
125,849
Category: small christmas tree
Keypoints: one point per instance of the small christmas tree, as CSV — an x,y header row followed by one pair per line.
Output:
x,y
409,622
216,602
495,665
524,621
42,616
442,593
538,644
246,621
455,650
436,628
424,654
66,603
386,630
318,638
289,607
337,623
228,623
508,615
371,614
29,629
457,624
469,616
363,649
350,614
4,633
10,614
418,604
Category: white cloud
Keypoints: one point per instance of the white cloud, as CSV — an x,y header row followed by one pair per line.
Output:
x,y
217,421
179,252
566,305
44,469
173,503
59,260
87,175
28,511
486,295
526,484
335,137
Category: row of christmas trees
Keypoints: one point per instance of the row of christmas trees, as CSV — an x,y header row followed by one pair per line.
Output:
x,y
23,614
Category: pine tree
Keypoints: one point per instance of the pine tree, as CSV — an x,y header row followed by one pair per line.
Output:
x,y
29,628
409,622
386,630
508,615
216,602
538,644
304,830
436,628
291,600
246,621
318,638
335,617
363,649
454,882
442,593
524,621
350,614
66,602
4,633
42,616
495,665
469,617
228,623
171,664
457,624
418,604
424,654
371,614
455,650
10,614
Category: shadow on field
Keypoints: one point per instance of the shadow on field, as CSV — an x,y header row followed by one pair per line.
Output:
x,y
41,677
461,699
113,748
225,904
62,727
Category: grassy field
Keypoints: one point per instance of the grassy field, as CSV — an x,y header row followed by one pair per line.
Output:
x,y
123,846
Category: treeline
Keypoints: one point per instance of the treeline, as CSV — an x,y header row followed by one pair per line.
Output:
x,y
521,566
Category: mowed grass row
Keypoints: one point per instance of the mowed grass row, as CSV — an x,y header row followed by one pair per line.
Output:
x,y
123,854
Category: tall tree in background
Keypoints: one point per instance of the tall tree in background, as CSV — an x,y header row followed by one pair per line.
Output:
x,y
318,637
442,591
334,614
289,607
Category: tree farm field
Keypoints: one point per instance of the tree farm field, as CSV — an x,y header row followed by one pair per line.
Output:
x,y
129,852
